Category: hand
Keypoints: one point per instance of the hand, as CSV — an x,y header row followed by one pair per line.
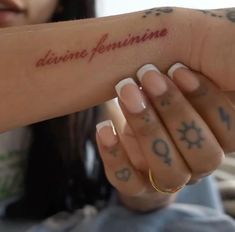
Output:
x,y
178,129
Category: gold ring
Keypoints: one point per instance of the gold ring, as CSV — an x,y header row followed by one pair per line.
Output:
x,y
165,191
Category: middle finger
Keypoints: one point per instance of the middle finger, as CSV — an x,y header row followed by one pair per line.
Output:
x,y
160,152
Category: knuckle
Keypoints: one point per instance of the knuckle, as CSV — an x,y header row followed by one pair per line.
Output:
x,y
207,167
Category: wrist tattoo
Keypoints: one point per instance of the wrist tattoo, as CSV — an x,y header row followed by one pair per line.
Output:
x,y
221,13
230,14
191,134
224,117
123,174
104,45
158,11
211,13
161,148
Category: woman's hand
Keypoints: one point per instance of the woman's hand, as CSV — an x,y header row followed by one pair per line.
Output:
x,y
179,129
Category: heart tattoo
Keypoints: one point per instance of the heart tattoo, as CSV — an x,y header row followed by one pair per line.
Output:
x,y
123,174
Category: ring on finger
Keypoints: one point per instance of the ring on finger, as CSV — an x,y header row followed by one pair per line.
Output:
x,y
158,189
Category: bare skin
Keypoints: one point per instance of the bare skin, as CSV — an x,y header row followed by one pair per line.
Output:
x,y
91,71
84,60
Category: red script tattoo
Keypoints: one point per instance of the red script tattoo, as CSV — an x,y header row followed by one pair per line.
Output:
x,y
103,45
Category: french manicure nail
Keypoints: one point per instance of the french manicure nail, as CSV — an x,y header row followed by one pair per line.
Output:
x,y
173,68
107,133
131,96
183,77
152,80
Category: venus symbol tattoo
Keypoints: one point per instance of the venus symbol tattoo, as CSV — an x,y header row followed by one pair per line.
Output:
x,y
191,135
225,118
161,148
123,174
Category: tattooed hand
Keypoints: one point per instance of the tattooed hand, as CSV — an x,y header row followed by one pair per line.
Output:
x,y
179,127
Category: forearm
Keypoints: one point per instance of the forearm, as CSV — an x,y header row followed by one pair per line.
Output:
x,y
56,69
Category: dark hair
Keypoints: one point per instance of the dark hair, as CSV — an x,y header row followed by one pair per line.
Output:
x,y
56,178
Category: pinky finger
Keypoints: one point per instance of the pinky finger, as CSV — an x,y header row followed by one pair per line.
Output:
x,y
118,168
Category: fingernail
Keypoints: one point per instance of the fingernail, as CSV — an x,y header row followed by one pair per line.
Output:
x,y
107,133
152,80
183,77
131,96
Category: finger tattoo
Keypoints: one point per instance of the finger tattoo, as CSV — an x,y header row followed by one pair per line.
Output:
x,y
114,152
161,148
146,117
167,100
224,116
123,174
191,134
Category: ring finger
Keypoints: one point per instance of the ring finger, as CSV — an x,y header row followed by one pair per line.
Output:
x,y
118,168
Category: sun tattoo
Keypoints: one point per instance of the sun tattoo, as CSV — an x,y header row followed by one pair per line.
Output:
x,y
191,134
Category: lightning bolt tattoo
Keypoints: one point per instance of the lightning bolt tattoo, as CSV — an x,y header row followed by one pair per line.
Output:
x,y
224,117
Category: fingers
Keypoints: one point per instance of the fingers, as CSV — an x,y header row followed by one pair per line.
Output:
x,y
181,128
188,130
160,152
119,170
210,103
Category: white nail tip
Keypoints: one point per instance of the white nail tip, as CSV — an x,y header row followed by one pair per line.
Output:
x,y
100,125
146,68
122,83
173,68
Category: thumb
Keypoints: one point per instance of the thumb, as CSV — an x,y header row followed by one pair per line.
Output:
x,y
213,52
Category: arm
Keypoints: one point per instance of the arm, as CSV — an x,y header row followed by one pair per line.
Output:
x,y
57,69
